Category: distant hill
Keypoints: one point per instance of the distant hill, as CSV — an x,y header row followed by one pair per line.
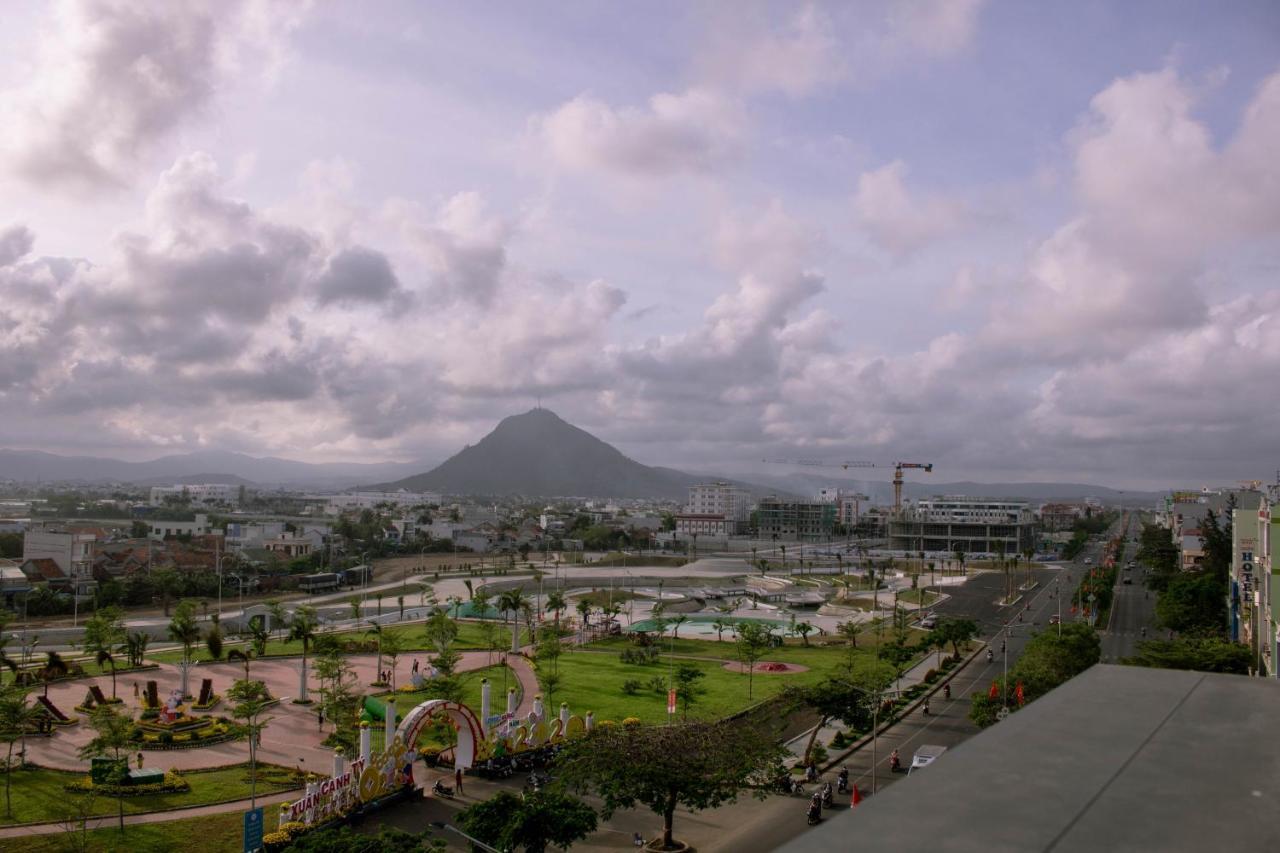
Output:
x,y
196,479
236,468
538,453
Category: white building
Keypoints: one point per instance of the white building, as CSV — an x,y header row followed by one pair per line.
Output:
x,y
242,535
726,500
203,493
338,504
161,530
72,550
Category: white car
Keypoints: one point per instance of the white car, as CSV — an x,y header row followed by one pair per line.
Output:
x,y
1088,561
925,756
929,622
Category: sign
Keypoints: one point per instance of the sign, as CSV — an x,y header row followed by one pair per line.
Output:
x,y
671,702
253,830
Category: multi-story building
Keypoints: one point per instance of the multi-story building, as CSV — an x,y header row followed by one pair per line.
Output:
x,y
1245,543
806,521
164,529
975,525
338,504
203,493
730,502
70,548
710,524
1060,516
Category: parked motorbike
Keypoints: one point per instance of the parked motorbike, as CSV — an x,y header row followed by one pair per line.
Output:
x,y
440,789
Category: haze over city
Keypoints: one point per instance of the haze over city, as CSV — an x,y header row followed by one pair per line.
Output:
x,y
1024,241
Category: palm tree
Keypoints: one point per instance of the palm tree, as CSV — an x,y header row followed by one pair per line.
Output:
x,y
556,604
676,621
959,555
103,635
241,655
513,601
804,629
719,624
400,604
16,717
584,610
114,738
275,609
136,647
392,647
54,668
303,629
851,630
375,628
456,602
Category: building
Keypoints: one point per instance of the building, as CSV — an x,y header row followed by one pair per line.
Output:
x,y
711,525
13,581
241,535
805,521
70,549
1060,516
1182,764
338,504
165,529
732,503
203,493
974,525
1247,519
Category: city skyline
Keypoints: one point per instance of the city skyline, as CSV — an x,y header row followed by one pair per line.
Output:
x,y
1021,244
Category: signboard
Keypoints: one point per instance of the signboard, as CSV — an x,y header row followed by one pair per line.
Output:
x,y
253,830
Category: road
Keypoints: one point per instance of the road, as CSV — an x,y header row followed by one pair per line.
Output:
x,y
1133,608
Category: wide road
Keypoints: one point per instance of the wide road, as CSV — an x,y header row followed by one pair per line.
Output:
x,y
1133,608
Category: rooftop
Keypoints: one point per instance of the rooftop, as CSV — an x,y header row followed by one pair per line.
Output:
x,y
1119,758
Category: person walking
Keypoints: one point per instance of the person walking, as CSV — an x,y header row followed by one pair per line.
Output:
x,y
457,780
139,760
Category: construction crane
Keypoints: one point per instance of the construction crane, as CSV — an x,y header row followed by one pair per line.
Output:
x,y
898,467
818,463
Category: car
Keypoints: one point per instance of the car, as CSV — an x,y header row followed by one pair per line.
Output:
x,y
929,622
1088,561
925,756
1055,619
1127,578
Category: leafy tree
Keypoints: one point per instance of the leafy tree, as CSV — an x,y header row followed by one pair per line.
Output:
x,y
439,630
104,634
345,840
136,647
168,584
337,685
302,628
685,682
250,700
549,649
851,630
183,629
393,645
259,636
676,621
754,638
1193,603
954,631
804,629
16,718
213,641
556,604
1048,660
354,603
695,765
849,696
534,821
1207,654
113,740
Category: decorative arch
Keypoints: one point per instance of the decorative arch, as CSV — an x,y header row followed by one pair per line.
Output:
x,y
470,732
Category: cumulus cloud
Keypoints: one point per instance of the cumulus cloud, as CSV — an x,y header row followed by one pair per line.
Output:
x,y
15,242
358,275
694,131
899,221
936,28
117,77
750,53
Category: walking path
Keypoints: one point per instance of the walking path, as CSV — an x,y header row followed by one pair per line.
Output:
x,y
293,738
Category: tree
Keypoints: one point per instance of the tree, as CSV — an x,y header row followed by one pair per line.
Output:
x,y
955,632
440,631
375,628
695,765
676,621
136,647
104,634
1193,603
336,672
534,821
804,629
259,636
168,584
754,638
720,624
114,740
512,601
849,696
851,630
1204,654
393,645
354,603
959,555
302,628
556,604
584,611
250,701
16,718
549,649
688,690
279,620
213,642
245,656
183,629
480,604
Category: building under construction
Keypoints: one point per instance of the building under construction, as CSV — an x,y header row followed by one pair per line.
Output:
x,y
788,520
974,525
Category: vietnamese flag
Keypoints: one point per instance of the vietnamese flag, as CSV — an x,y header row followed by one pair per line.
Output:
x,y
856,797
994,692
1019,695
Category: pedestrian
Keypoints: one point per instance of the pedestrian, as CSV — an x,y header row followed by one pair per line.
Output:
x,y
139,760
457,780
135,690
320,718
415,666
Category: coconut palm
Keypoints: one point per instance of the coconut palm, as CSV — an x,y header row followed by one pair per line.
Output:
x,y
393,645
676,621
242,655
375,628
54,668
513,601
302,628
275,609
556,604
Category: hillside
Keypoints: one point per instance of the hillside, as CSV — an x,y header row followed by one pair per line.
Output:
x,y
538,453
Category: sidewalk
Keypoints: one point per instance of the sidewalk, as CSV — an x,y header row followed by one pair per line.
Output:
x,y
111,820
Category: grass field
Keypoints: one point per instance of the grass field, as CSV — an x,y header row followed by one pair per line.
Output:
x,y
470,637
38,795
214,832
919,596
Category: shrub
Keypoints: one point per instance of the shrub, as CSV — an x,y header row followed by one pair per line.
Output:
x,y
931,676
166,737
631,686
839,741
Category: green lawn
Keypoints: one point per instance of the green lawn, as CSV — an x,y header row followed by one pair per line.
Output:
x,y
470,695
470,637
793,651
38,795
215,832
919,596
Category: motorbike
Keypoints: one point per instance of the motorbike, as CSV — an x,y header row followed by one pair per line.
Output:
x,y
797,788
926,707
946,690
440,789
895,763
842,781
814,814
827,798
989,655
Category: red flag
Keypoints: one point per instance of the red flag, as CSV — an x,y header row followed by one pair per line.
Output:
x,y
994,692
1018,694
1073,610
856,797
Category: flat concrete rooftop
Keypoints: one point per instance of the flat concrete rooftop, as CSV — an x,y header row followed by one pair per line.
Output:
x,y
1119,758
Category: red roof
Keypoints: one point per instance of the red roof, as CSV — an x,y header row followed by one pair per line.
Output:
x,y
43,568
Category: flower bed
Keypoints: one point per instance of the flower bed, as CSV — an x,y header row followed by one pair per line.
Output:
x,y
173,784
187,734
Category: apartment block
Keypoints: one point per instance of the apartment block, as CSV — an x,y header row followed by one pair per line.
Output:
x,y
976,525
804,521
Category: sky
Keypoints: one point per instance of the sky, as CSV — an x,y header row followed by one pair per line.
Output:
x,y
1022,241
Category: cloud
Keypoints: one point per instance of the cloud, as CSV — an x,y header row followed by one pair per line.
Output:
x,y
750,54
15,242
695,131
117,77
898,221
934,28
358,275
463,246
